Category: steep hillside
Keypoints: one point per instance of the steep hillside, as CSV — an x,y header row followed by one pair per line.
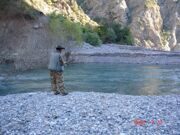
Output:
x,y
25,35
170,11
69,8
153,23
115,10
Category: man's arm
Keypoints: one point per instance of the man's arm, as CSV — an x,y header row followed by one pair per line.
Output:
x,y
62,61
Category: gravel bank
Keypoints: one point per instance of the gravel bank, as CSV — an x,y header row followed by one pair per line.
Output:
x,y
89,114
122,54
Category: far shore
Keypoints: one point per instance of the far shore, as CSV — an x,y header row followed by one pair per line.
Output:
x,y
106,53
112,53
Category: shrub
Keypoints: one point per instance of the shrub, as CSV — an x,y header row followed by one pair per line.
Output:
x,y
92,38
65,28
87,28
102,31
110,36
115,33
107,34
123,34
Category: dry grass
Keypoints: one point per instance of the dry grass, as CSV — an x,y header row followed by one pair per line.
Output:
x,y
150,3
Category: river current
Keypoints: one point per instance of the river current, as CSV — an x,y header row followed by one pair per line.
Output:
x,y
126,79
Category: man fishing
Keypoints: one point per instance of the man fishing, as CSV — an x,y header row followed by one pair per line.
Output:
x,y
56,67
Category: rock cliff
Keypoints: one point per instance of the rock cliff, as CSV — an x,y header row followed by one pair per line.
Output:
x,y
153,23
69,8
25,36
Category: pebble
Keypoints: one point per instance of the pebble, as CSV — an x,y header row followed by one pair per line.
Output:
x,y
88,113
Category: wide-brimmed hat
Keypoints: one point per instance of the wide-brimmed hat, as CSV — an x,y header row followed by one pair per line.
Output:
x,y
59,47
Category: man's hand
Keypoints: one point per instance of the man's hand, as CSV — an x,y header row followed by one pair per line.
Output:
x,y
65,63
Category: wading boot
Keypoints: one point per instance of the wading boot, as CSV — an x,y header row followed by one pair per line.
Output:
x,y
63,93
56,92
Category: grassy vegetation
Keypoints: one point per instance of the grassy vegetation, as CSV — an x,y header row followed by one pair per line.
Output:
x,y
111,32
50,2
150,3
65,28
92,38
105,33
165,36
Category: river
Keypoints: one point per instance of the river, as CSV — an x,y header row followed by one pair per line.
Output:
x,y
126,79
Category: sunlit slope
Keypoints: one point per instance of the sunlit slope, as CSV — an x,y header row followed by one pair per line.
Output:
x,y
68,8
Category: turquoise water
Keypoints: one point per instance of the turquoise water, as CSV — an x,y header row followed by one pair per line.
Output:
x,y
127,79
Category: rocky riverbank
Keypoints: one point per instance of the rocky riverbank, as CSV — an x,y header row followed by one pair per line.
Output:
x,y
89,113
122,54
85,53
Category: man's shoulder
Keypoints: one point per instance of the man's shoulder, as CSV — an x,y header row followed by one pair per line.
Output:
x,y
55,53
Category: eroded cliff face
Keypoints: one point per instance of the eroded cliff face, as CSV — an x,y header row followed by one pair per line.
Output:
x,y
69,8
27,42
170,12
115,10
153,23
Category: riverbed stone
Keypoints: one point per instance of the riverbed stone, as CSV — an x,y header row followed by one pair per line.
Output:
x,y
86,113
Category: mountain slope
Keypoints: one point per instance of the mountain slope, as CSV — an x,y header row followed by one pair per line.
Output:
x,y
153,23
68,8
25,36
